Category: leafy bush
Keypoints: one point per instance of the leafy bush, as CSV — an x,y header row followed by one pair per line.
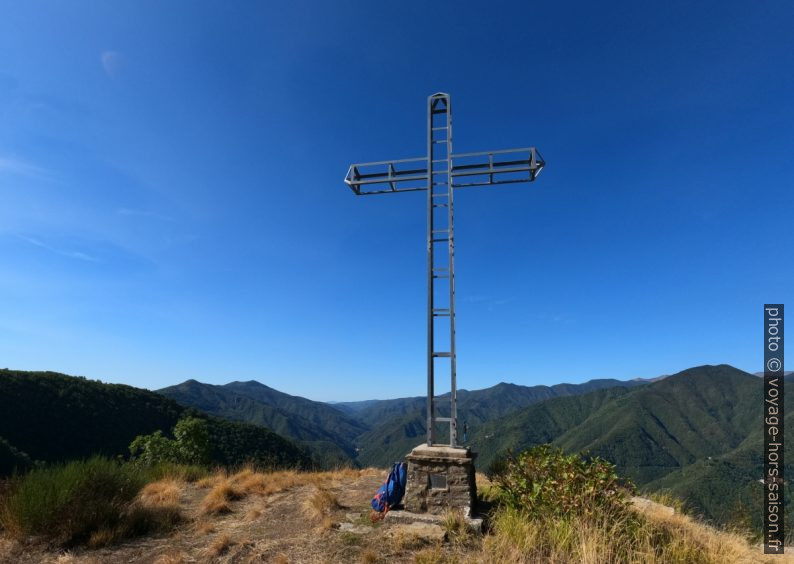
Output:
x,y
153,449
543,481
192,437
190,445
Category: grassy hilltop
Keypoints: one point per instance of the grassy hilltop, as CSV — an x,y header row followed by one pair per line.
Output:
x,y
174,514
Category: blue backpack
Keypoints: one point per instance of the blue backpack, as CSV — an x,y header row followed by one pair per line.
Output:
x,y
392,491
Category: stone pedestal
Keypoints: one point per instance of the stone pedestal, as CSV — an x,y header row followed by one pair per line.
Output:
x,y
440,478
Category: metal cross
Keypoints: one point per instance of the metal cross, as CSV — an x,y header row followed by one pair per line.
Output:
x,y
438,173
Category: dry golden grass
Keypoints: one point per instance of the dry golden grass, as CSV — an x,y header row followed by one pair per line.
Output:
x,y
217,500
68,558
432,555
369,556
654,537
212,480
321,503
721,546
404,541
281,559
171,558
248,481
253,514
667,499
205,527
215,505
219,546
161,492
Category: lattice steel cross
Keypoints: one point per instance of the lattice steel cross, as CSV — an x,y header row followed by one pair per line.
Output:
x,y
438,173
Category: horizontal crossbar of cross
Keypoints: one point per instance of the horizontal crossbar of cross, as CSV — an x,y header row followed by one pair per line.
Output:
x,y
472,169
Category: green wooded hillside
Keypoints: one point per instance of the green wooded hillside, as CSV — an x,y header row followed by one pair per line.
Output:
x,y
52,417
697,433
315,424
396,426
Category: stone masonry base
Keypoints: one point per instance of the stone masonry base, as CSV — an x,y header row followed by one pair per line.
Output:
x,y
440,478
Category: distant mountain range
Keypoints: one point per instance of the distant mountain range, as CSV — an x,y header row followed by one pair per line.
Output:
x,y
396,426
370,433
316,425
697,433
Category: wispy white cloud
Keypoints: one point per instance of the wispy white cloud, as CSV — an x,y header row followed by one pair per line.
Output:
x,y
63,252
13,165
111,62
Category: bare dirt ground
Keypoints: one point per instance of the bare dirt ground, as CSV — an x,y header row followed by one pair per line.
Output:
x,y
276,527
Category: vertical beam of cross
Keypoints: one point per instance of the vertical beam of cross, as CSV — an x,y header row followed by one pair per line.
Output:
x,y
440,229
438,174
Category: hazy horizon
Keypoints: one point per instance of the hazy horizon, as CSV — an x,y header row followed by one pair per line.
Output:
x,y
221,382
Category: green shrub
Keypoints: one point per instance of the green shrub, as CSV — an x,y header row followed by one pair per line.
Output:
x,y
543,481
192,438
89,502
66,503
190,445
153,449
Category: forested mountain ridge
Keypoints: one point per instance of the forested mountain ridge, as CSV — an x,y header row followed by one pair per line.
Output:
x,y
52,417
313,423
399,425
369,433
700,412
484,404
697,433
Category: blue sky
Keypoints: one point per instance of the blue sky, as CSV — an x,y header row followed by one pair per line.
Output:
x,y
173,206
